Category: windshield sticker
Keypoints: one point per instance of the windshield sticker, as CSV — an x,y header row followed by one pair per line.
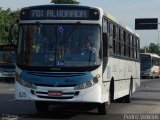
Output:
x,y
60,29
60,63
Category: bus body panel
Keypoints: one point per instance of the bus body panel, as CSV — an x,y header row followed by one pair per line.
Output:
x,y
86,95
71,93
59,86
122,75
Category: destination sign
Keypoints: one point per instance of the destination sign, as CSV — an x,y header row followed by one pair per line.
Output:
x,y
66,13
59,14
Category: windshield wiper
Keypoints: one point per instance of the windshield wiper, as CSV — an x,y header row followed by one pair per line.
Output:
x,y
40,26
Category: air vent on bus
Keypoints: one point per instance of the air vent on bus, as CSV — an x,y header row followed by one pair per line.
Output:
x,y
48,74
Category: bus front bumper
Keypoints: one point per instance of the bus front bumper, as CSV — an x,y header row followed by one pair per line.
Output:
x,y
58,94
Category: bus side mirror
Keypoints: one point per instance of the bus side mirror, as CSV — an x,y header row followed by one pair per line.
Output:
x,y
105,45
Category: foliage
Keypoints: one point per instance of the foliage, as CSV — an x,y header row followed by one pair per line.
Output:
x,y
152,48
7,18
65,2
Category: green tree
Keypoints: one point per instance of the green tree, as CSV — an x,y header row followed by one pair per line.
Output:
x,y
144,50
152,48
65,2
7,18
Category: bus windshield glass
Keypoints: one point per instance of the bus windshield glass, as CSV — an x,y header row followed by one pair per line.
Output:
x,y
145,62
62,45
7,58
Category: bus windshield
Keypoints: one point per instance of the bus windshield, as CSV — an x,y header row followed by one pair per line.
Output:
x,y
145,62
7,58
62,45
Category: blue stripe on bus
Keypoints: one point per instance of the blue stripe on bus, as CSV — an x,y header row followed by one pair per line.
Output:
x,y
52,79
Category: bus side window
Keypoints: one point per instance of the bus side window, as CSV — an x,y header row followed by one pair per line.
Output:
x,y
129,45
105,45
110,37
119,41
132,47
114,39
138,55
124,40
105,25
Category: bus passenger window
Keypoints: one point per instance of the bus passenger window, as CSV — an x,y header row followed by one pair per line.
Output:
x,y
105,26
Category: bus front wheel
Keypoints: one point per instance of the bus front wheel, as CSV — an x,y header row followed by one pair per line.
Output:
x,y
41,106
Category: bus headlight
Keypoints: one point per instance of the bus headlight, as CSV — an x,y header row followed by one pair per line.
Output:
x,y
25,83
87,84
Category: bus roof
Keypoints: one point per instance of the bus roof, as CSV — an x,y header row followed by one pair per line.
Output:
x,y
114,19
151,54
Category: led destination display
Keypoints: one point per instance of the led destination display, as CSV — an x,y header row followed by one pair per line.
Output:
x,y
59,12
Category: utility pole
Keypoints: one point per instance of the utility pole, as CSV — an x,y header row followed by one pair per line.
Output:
x,y
158,38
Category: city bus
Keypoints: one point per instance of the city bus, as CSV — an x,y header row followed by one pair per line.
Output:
x,y
150,65
7,61
72,54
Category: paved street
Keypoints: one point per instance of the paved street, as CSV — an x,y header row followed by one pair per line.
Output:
x,y
146,100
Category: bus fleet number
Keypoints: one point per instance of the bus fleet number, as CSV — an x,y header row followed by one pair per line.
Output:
x,y
37,13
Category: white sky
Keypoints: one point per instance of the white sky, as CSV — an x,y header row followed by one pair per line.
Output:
x,y
124,10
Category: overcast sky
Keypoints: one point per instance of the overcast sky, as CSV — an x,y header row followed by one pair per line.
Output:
x,y
124,10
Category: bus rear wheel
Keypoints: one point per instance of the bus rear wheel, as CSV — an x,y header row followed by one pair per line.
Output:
x,y
41,106
103,108
127,98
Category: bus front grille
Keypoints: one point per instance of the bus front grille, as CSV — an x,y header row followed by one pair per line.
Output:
x,y
48,74
49,97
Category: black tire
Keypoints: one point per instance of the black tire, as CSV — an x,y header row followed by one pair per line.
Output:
x,y
111,91
41,106
152,77
103,108
128,98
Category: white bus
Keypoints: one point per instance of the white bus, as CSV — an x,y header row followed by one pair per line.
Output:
x,y
7,61
75,54
150,65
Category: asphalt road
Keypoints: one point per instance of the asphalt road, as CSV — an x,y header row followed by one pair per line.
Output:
x,y
145,105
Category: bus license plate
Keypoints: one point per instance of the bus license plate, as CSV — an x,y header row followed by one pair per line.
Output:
x,y
55,93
